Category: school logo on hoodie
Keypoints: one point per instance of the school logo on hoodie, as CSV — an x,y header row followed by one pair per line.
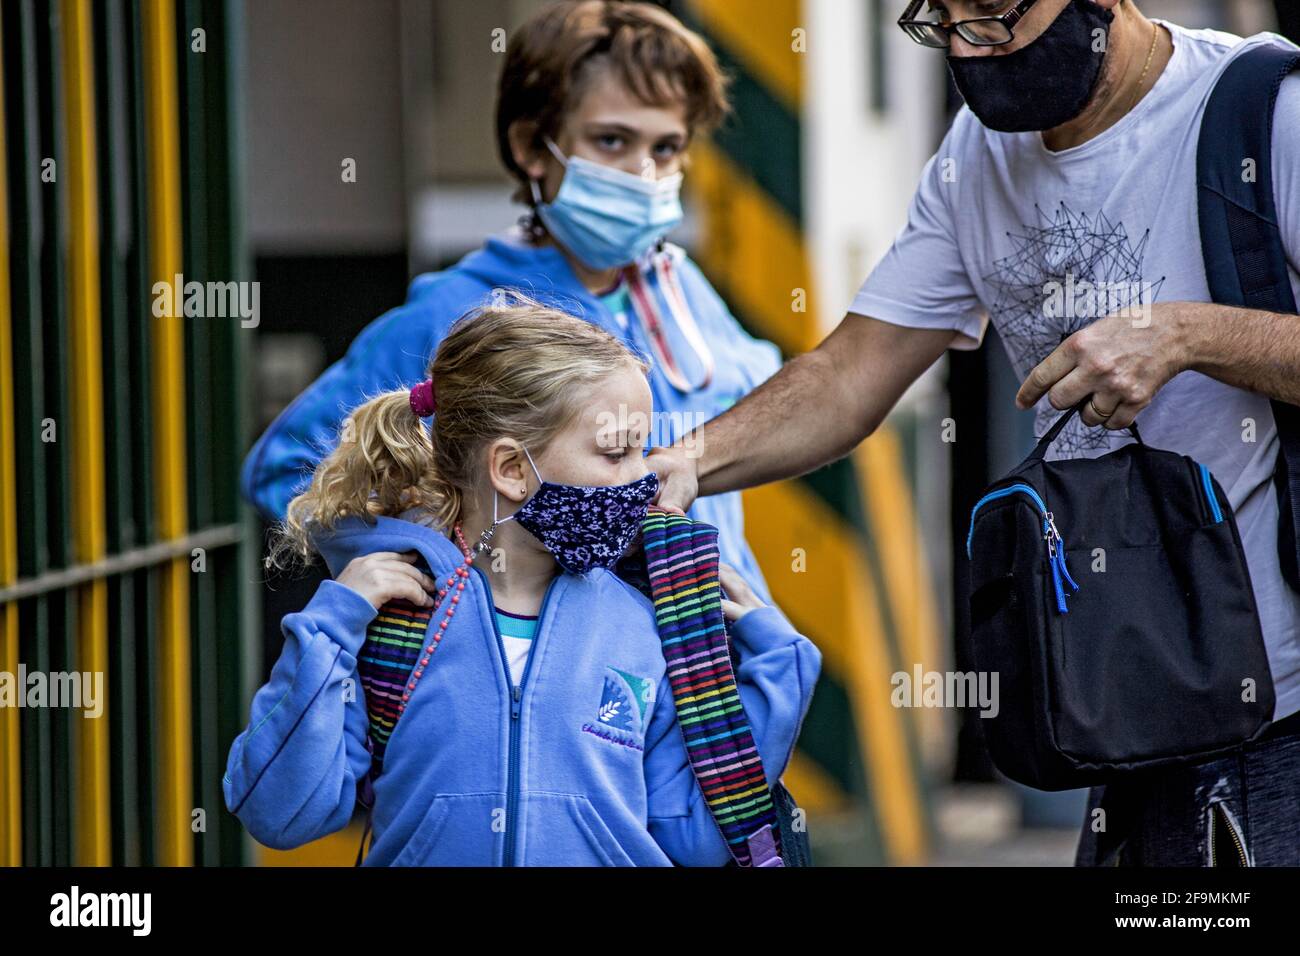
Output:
x,y
621,716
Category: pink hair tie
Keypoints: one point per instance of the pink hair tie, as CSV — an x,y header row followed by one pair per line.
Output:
x,y
423,401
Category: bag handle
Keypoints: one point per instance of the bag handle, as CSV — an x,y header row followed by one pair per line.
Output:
x,y
1057,426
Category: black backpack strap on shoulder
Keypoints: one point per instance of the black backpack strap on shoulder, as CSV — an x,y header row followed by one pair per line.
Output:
x,y
366,797
365,832
1241,241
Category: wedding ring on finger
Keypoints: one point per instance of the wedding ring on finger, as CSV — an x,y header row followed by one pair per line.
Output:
x,y
1098,412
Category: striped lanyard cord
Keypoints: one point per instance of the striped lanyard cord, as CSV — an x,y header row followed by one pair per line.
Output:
x,y
644,305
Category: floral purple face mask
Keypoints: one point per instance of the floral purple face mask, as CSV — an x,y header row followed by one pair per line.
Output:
x,y
585,526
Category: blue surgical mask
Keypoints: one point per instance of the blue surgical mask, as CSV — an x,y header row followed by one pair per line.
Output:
x,y
583,526
607,217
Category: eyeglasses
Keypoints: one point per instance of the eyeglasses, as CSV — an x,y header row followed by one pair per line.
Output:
x,y
977,31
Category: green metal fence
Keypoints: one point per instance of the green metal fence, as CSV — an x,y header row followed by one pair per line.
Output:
x,y
124,549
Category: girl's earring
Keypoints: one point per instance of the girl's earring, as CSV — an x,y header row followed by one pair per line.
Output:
x,y
485,539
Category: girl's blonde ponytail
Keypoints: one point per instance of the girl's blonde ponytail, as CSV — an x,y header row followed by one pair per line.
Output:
x,y
514,369
382,465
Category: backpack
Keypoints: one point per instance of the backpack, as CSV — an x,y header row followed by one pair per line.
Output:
x,y
1241,243
761,825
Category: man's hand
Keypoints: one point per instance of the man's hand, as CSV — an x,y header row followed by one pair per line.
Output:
x,y
1119,360
678,479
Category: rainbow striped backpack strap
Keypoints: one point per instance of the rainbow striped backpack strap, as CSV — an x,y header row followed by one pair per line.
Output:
x,y
681,559
392,646
387,657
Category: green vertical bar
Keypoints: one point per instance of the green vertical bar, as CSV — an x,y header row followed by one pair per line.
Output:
x,y
115,240
139,293
237,599
225,255
24,168
139,309
58,515
200,331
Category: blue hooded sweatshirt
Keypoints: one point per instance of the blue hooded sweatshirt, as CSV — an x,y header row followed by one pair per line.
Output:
x,y
478,772
394,351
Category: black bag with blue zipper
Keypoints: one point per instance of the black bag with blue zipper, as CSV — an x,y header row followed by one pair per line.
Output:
x,y
1111,595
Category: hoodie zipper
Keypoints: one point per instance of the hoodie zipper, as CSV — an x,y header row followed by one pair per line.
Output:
x,y
1051,534
516,708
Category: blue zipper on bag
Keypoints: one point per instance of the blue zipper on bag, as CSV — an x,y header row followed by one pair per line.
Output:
x,y
1210,496
1055,543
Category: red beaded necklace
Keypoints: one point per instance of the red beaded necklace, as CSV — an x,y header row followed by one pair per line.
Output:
x,y
461,572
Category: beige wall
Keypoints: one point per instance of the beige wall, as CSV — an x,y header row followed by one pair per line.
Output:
x,y
404,87
465,74
322,84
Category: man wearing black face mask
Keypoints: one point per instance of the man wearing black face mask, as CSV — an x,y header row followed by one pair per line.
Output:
x,y
1062,207
1041,85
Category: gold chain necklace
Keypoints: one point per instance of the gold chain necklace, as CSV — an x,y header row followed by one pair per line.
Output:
x,y
1155,35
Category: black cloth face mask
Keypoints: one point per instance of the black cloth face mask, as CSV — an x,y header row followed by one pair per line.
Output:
x,y
1043,84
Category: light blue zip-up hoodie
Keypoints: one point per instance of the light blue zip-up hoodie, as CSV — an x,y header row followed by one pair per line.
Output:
x,y
393,352
479,772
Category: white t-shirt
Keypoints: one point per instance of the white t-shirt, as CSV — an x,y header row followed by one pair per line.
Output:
x,y
998,216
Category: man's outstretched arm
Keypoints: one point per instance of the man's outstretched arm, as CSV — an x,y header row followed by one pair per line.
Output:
x,y
814,411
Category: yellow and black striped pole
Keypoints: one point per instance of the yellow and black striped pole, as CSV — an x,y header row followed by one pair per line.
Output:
x,y
839,548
